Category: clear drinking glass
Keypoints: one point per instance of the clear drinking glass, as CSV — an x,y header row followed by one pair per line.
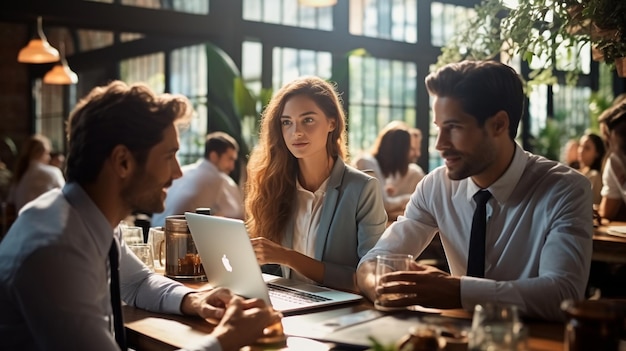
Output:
x,y
131,234
386,264
144,253
156,238
497,327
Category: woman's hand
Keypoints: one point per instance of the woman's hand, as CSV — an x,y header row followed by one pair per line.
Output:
x,y
267,251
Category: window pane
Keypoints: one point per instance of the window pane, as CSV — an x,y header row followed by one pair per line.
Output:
x,y
446,20
146,69
289,64
385,19
375,100
288,13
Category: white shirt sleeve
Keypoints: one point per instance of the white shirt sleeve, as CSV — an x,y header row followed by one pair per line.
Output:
x,y
209,343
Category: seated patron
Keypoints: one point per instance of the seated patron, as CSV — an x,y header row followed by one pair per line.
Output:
x,y
307,210
590,159
33,175
614,173
389,161
206,183
398,184
55,259
531,242
570,153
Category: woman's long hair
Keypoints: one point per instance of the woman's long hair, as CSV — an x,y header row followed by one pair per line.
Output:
x,y
272,169
392,147
32,149
600,150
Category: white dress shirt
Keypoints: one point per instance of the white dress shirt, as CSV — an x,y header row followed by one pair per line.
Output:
x,y
406,184
614,179
307,216
398,200
202,185
38,179
54,292
538,240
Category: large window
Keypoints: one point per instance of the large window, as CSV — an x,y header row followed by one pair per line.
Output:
x,y
50,113
188,76
288,13
385,19
380,91
445,21
145,69
289,64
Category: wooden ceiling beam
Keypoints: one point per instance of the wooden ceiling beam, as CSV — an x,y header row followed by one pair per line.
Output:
x,y
80,14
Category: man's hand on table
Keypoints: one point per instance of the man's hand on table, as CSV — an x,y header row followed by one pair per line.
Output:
x,y
244,322
239,322
423,285
208,304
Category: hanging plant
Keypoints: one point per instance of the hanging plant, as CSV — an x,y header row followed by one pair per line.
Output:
x,y
551,33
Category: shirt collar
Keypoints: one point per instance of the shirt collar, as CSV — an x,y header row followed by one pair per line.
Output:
x,y
502,188
98,226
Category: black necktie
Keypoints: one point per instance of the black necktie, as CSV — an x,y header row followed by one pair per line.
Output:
x,y
116,301
476,256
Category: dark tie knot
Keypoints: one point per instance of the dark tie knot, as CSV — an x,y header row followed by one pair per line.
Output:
x,y
481,197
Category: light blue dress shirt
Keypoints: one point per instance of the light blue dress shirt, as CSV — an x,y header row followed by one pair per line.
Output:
x,y
539,233
54,292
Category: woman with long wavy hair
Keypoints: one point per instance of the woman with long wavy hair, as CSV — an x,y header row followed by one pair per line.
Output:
x,y
33,175
306,209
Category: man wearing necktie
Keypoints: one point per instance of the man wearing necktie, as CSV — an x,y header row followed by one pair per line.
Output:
x,y
57,260
516,228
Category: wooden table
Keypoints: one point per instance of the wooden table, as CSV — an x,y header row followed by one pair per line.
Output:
x,y
609,248
155,331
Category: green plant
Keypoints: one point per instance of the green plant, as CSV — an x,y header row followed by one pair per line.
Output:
x,y
548,142
378,346
551,32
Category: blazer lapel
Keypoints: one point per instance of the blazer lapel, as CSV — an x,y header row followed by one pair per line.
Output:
x,y
328,208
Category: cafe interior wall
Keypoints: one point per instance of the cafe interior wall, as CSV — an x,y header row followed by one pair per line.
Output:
x,y
14,103
15,95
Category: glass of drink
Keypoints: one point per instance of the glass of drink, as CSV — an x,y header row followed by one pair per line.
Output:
x,y
144,253
386,264
497,327
156,238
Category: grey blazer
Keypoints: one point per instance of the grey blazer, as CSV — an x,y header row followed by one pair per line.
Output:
x,y
353,218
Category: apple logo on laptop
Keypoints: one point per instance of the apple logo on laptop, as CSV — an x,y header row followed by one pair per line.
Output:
x,y
226,263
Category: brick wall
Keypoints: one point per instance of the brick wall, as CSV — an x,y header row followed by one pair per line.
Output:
x,y
15,110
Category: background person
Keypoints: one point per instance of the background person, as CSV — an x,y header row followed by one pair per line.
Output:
x,y
206,183
590,159
614,173
569,155
54,261
306,209
397,184
33,175
538,234
389,160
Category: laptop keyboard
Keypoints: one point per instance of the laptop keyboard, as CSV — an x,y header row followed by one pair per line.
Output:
x,y
293,296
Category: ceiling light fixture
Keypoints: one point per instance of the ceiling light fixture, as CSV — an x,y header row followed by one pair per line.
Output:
x,y
38,50
61,74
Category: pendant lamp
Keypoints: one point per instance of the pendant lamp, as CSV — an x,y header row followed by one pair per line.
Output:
x,y
61,74
317,3
38,50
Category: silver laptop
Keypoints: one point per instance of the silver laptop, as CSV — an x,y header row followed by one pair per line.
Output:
x,y
229,261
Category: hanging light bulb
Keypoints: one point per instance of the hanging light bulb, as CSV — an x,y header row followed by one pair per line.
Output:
x,y
61,74
317,3
38,50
